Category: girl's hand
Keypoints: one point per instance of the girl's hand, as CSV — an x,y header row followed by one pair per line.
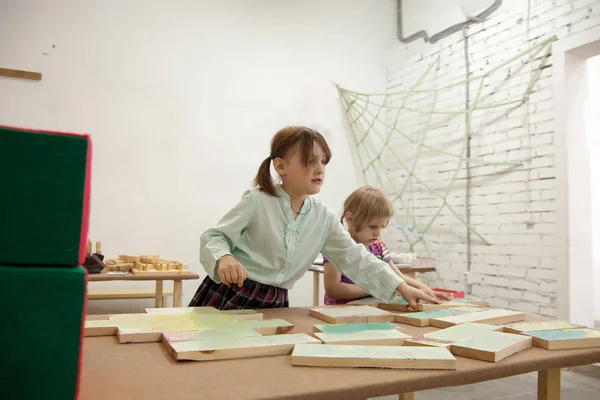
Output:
x,y
231,271
437,295
413,295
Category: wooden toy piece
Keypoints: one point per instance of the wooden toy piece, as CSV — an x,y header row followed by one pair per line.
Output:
x,y
344,314
520,327
561,339
88,248
267,326
398,304
124,266
208,334
122,257
442,306
423,318
400,357
370,337
149,259
473,302
230,347
111,262
460,332
491,346
98,248
131,258
427,342
354,327
491,316
99,328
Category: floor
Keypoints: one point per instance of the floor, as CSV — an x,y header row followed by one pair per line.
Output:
x,y
580,383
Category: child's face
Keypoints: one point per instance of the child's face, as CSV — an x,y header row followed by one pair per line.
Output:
x,y
300,178
370,232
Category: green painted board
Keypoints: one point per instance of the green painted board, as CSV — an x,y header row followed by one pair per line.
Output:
x,y
433,313
355,327
492,341
565,338
460,332
566,334
403,357
539,326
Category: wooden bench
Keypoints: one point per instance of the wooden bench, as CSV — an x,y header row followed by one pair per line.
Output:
x,y
119,294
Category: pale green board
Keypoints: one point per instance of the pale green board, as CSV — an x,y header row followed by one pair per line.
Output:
x,y
566,334
351,311
379,352
433,313
541,325
185,336
364,335
100,323
492,341
355,327
476,316
233,342
460,332
183,310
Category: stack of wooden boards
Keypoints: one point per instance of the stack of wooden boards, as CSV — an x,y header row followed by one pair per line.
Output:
x,y
44,204
145,265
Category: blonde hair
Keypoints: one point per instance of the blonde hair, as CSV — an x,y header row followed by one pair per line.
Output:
x,y
366,203
281,144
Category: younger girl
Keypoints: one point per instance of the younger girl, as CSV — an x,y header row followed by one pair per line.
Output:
x,y
266,243
367,211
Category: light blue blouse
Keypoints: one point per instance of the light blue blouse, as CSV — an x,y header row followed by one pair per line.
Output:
x,y
260,232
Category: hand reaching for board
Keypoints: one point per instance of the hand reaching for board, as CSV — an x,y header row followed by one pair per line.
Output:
x,y
413,295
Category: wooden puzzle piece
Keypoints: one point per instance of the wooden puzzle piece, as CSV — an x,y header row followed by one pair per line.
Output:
x,y
355,327
209,334
401,357
344,314
491,346
367,301
473,302
443,305
492,316
236,314
422,318
99,328
268,326
427,342
520,327
565,338
460,332
230,347
373,337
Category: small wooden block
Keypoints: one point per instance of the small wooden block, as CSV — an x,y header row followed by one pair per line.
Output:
x,y
149,259
565,338
355,327
427,342
230,347
492,316
373,338
344,314
99,328
491,346
520,327
460,332
401,357
398,304
158,274
422,318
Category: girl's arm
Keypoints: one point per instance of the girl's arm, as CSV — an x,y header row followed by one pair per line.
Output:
x,y
220,241
336,289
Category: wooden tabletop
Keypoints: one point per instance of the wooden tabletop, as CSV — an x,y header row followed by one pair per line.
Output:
x,y
158,276
146,371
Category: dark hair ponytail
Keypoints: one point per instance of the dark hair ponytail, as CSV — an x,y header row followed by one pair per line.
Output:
x,y
263,179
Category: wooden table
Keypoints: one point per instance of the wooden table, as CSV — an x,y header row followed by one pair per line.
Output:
x,y
146,371
159,277
317,270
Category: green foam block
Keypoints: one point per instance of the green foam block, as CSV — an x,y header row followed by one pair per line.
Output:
x,y
42,315
44,197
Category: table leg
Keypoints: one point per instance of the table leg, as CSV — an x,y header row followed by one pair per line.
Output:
x,y
158,296
407,396
177,293
549,384
316,279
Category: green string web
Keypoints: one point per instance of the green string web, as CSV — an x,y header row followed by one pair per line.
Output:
x,y
381,124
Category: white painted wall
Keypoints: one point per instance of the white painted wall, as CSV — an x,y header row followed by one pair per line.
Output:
x,y
519,270
592,129
181,99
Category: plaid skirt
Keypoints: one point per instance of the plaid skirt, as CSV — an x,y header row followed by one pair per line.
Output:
x,y
252,294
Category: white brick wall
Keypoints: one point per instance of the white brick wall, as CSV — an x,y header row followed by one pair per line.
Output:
x,y
518,270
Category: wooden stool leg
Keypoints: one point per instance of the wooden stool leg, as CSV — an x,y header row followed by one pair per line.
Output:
x,y
177,293
549,384
165,301
407,396
158,299
316,285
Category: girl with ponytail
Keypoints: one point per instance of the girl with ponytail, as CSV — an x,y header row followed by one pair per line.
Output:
x,y
261,247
